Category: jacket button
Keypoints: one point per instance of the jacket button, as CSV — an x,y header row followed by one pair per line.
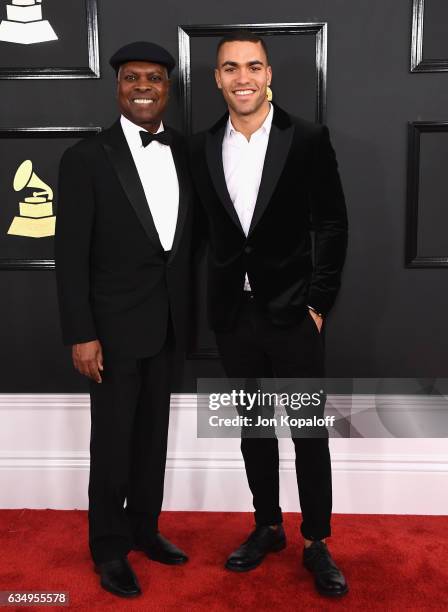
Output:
x,y
248,250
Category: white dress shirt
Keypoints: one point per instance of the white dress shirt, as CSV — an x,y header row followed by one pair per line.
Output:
x,y
157,172
243,162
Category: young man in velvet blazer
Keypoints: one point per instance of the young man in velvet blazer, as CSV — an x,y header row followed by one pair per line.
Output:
x,y
123,263
265,179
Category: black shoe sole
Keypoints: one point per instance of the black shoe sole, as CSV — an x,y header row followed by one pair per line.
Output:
x,y
165,561
158,559
247,568
325,594
117,593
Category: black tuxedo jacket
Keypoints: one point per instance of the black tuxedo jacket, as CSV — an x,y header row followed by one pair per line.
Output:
x,y
300,191
114,281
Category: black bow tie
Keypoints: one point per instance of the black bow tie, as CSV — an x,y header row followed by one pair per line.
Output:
x,y
164,138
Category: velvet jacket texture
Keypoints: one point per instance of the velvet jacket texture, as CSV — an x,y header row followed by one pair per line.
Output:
x,y
300,209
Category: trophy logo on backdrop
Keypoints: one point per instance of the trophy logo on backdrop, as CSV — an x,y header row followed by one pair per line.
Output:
x,y
36,219
24,23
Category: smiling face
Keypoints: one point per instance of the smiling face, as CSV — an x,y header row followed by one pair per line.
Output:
x,y
243,74
142,93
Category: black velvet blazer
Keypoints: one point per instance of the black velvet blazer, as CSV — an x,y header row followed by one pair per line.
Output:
x,y
300,192
114,280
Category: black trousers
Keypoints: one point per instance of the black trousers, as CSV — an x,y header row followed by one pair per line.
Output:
x,y
257,348
129,430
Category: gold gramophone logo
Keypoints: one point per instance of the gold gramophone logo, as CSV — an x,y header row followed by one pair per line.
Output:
x,y
24,23
36,218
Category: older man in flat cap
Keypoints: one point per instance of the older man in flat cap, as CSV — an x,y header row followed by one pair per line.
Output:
x,y
122,262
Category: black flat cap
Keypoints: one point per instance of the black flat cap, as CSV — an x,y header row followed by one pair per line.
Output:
x,y
142,52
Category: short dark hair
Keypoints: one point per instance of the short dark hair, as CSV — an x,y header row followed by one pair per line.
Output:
x,y
243,36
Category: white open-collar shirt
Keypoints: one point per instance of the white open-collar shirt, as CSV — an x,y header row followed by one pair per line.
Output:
x,y
243,162
157,172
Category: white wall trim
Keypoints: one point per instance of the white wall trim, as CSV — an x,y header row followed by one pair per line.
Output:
x,y
73,400
189,400
353,462
44,462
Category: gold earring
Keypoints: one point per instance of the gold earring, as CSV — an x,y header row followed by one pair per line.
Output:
x,y
269,94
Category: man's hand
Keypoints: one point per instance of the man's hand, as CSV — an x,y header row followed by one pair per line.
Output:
x,y
318,320
88,359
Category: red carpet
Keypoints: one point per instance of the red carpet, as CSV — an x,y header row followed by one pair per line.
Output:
x,y
392,563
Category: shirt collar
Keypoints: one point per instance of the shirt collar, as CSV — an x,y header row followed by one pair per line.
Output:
x,y
132,130
266,125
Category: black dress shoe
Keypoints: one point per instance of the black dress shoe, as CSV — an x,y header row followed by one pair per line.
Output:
x,y
328,578
118,578
251,553
162,550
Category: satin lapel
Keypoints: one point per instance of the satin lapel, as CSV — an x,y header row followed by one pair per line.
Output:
x,y
118,151
279,144
181,163
213,151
